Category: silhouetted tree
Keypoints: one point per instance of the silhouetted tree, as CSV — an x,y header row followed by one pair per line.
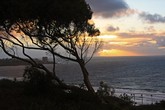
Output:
x,y
49,25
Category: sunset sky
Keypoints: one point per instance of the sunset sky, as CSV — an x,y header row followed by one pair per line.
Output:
x,y
130,27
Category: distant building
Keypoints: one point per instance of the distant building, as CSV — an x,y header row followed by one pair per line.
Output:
x,y
45,59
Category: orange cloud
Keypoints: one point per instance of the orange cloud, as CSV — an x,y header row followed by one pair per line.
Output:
x,y
116,52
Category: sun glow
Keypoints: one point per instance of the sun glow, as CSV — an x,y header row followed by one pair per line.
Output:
x,y
107,36
116,52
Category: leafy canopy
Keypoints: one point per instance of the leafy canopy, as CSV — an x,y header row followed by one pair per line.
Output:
x,y
49,24
62,11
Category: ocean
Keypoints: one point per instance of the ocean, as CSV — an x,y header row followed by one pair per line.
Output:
x,y
143,78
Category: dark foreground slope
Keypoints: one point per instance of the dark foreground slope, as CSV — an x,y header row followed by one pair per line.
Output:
x,y
19,96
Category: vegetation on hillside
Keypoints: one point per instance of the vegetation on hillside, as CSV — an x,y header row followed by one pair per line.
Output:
x,y
63,29
60,28
20,96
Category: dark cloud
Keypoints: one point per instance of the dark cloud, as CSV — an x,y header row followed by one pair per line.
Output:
x,y
160,41
112,29
152,18
109,8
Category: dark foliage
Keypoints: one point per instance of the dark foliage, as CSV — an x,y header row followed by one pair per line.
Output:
x,y
36,81
12,97
62,11
126,98
162,103
49,24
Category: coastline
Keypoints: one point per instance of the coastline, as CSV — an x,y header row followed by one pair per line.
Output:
x,y
121,73
139,97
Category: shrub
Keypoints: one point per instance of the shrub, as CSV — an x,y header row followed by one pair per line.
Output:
x,y
37,81
126,98
105,90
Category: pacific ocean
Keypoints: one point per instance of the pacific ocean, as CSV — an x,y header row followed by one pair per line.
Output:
x,y
134,75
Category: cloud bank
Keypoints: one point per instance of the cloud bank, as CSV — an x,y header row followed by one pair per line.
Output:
x,y
152,18
109,8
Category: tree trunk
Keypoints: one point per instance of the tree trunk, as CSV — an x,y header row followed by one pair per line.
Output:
x,y
86,77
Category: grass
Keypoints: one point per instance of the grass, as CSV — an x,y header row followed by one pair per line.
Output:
x,y
16,96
